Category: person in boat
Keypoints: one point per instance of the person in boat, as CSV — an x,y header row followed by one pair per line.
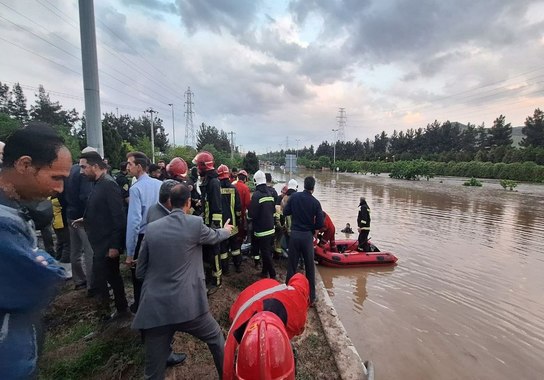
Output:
x,y
326,234
363,225
289,303
347,229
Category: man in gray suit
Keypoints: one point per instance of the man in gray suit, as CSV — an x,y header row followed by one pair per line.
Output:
x,y
174,286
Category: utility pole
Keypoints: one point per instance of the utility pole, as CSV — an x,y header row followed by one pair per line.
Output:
x,y
90,75
231,144
151,112
297,141
341,124
189,128
334,149
173,126
286,143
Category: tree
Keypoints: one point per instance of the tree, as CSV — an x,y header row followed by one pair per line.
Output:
x,y
534,130
500,133
250,162
17,105
5,98
7,126
113,149
208,134
51,112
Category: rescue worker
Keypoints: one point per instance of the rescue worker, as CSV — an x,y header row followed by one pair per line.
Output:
x,y
245,199
271,189
178,170
261,212
195,194
210,192
292,187
288,302
327,233
363,225
230,204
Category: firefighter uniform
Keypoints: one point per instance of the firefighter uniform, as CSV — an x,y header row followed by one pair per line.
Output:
x,y
231,209
210,191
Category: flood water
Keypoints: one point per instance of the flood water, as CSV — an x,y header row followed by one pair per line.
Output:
x,y
466,299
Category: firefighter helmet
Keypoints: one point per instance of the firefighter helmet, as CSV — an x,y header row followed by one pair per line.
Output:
x,y
204,161
265,350
259,177
223,171
177,168
243,172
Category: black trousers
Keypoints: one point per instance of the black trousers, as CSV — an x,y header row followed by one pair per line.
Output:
x,y
136,284
301,244
263,248
106,271
157,343
212,264
63,245
362,239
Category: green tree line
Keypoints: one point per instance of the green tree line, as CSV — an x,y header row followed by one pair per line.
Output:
x,y
121,133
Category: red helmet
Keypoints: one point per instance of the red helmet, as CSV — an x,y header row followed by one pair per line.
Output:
x,y
223,171
177,168
265,350
204,161
243,172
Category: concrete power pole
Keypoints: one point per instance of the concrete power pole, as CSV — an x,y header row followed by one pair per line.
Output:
x,y
189,128
341,124
90,75
173,126
151,112
231,144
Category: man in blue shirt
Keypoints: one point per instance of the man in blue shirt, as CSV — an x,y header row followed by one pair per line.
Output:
x,y
307,217
36,163
142,196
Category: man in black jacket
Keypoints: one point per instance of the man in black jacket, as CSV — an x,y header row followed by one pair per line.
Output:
x,y
77,189
307,218
105,220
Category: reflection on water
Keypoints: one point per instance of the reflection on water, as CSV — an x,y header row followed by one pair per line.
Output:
x,y
466,299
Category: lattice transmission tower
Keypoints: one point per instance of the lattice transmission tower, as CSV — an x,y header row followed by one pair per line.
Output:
x,y
190,139
342,119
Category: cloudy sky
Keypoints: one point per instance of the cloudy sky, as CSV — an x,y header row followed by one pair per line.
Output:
x,y
272,69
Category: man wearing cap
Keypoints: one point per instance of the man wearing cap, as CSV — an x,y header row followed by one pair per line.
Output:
x,y
307,218
261,212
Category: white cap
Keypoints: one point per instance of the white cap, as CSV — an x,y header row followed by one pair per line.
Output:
x,y
292,184
89,149
259,177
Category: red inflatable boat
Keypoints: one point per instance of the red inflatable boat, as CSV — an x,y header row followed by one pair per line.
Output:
x,y
347,255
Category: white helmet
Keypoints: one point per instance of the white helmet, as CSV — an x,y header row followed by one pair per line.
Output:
x,y
293,184
259,178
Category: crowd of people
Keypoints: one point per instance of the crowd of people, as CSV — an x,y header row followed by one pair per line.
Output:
x,y
180,228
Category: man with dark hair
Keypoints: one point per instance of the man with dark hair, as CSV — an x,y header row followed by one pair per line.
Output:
x,y
143,195
77,191
36,163
307,217
163,207
270,186
155,171
104,219
122,180
174,293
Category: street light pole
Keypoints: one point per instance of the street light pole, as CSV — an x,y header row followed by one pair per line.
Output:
x,y
173,126
297,141
334,149
151,112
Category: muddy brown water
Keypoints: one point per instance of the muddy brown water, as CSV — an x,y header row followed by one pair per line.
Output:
x,y
466,300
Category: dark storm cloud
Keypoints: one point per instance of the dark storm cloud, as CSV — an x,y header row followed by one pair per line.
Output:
x,y
113,26
406,30
216,15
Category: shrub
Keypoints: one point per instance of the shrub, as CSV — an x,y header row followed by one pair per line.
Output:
x,y
472,182
507,183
